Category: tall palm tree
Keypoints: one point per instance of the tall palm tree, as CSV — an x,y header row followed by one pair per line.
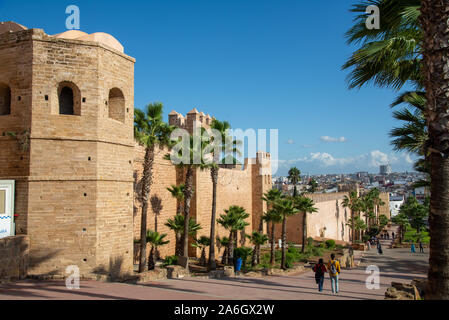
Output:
x,y
233,220
225,146
177,225
149,130
177,192
294,175
273,217
156,240
270,197
434,19
195,151
285,208
257,239
304,205
351,202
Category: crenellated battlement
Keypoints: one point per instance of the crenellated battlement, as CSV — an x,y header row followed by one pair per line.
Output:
x,y
193,119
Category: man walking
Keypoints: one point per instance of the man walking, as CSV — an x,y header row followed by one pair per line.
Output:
x,y
334,270
421,248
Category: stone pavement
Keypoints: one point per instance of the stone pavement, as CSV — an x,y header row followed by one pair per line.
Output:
x,y
395,265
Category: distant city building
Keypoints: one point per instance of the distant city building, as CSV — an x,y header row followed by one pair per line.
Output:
x,y
385,169
395,204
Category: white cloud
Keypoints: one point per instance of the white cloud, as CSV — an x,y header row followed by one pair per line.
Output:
x,y
290,141
370,160
332,139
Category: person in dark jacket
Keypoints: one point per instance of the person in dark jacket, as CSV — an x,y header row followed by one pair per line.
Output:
x,y
320,271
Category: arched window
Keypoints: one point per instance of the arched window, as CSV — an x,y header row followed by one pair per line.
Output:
x,y
69,99
5,100
66,101
116,104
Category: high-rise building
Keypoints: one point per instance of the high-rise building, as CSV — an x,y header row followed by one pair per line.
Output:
x,y
385,169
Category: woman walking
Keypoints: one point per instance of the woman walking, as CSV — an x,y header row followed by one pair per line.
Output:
x,y
320,271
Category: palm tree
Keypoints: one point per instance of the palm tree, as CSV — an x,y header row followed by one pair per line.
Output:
x,y
434,17
273,217
233,220
294,175
177,192
156,240
195,159
312,185
391,55
285,208
402,221
270,197
351,202
357,225
257,239
202,243
224,146
304,205
224,242
149,130
177,225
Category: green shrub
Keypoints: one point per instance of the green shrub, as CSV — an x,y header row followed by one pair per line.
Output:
x,y
309,241
322,245
330,244
339,247
316,251
289,259
171,260
244,253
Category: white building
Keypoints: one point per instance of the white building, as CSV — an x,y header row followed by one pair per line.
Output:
x,y
395,205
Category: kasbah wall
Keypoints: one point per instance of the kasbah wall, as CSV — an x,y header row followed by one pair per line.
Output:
x,y
78,173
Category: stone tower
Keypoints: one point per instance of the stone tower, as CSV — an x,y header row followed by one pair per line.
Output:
x,y
66,138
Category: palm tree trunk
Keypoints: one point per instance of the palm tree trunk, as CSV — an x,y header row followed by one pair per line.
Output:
x,y
304,232
273,244
147,180
203,256
231,249
258,254
152,260
178,250
224,259
434,20
352,226
254,257
214,176
188,192
284,241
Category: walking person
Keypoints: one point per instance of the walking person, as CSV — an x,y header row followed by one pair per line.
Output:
x,y
421,248
392,235
412,248
320,271
379,248
334,270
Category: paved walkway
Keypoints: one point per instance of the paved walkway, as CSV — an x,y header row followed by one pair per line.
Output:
x,y
395,265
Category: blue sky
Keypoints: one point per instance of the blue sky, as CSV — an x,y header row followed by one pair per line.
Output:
x,y
261,64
